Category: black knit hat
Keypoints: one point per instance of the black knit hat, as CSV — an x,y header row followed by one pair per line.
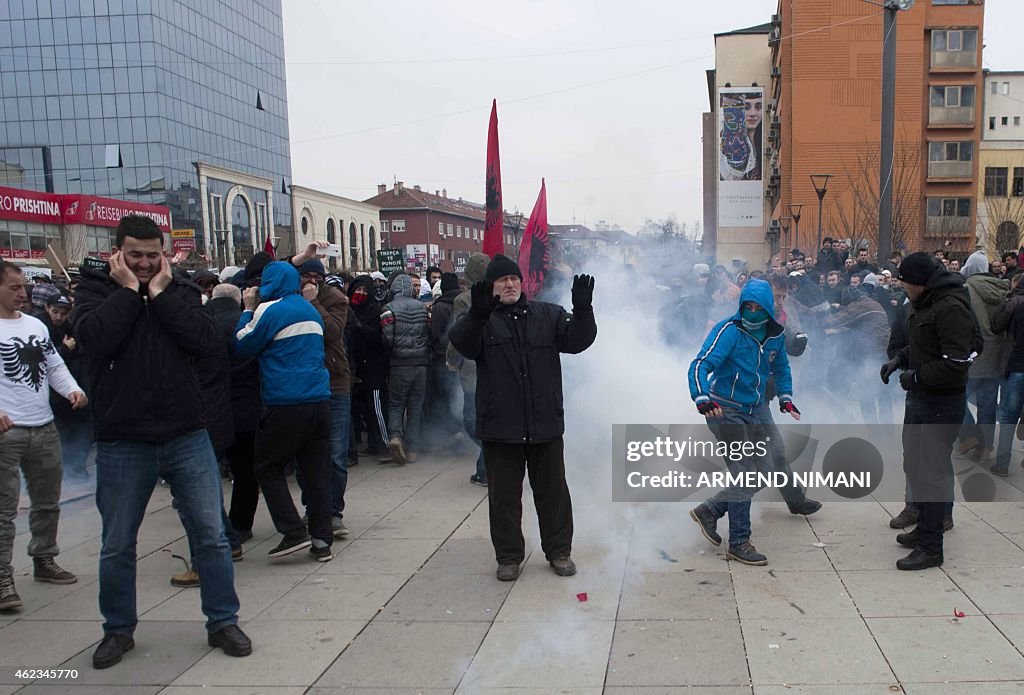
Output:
x,y
501,266
449,281
917,268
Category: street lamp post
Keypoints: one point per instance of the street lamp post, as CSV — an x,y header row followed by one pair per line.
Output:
x,y
784,223
885,175
820,183
794,212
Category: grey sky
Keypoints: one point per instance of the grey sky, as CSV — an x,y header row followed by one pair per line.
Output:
x,y
401,88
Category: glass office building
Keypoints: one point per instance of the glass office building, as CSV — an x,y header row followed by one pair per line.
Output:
x,y
132,99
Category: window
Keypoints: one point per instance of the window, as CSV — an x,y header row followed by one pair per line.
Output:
x,y
1016,121
458,232
991,122
305,225
1005,121
1017,191
960,151
330,232
451,231
995,181
954,41
949,207
952,97
385,225
995,88
397,226
476,234
440,229
1006,89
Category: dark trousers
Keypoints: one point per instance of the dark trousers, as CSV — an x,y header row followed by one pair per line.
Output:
x,y
439,412
370,411
245,490
506,466
75,443
302,433
931,423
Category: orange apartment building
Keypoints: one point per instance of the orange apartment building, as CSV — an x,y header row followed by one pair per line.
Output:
x,y
826,119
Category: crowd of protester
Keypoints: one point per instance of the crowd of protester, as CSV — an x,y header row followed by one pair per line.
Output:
x,y
258,372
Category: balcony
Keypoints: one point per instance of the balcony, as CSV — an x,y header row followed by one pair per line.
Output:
x,y
950,170
955,60
940,226
946,116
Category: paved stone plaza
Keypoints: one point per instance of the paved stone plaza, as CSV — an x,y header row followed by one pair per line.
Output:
x,y
410,604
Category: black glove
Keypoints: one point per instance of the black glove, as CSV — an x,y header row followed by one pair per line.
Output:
x,y
705,407
482,299
799,344
908,380
788,407
582,292
888,369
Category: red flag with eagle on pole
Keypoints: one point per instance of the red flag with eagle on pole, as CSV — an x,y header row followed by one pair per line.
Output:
x,y
534,252
494,227
269,248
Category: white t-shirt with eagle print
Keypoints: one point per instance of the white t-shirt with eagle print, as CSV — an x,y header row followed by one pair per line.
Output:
x,y
29,368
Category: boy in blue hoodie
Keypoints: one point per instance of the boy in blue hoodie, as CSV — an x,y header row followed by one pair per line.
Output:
x,y
728,379
287,334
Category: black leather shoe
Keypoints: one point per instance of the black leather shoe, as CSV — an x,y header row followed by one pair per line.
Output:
x,y
232,640
708,524
919,560
111,649
909,539
805,508
907,517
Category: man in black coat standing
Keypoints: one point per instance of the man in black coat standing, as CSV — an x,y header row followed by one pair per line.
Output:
x,y
520,417
942,343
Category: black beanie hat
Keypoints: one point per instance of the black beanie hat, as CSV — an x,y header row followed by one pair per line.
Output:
x,y
449,281
917,268
500,267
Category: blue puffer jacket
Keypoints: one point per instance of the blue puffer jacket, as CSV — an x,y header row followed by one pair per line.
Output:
x,y
287,334
732,367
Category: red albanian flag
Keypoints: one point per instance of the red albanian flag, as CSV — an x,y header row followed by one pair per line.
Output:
x,y
494,227
534,252
269,248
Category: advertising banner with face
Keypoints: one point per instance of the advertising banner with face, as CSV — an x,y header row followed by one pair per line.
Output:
x,y
741,157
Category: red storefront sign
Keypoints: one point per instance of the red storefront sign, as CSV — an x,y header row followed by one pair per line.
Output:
x,y
29,206
107,212
75,208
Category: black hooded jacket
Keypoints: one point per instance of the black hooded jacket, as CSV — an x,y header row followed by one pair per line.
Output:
x,y
363,337
519,369
942,334
440,323
141,356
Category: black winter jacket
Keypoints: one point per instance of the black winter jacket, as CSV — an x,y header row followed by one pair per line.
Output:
x,y
942,334
518,368
214,370
364,339
440,323
141,357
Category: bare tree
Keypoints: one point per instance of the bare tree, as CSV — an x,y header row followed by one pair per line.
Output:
x,y
1000,221
857,209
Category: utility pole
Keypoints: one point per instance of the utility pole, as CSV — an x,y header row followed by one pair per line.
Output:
x,y
885,174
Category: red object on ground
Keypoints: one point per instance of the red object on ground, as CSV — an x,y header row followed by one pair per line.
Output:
x,y
494,227
582,598
959,614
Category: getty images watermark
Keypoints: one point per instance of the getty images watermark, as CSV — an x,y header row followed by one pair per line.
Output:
x,y
670,463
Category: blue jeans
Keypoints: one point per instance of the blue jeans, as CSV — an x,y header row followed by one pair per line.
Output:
x,y
126,473
469,424
1009,416
735,426
341,429
986,395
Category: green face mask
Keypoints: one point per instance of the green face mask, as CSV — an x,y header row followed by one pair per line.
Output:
x,y
753,320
